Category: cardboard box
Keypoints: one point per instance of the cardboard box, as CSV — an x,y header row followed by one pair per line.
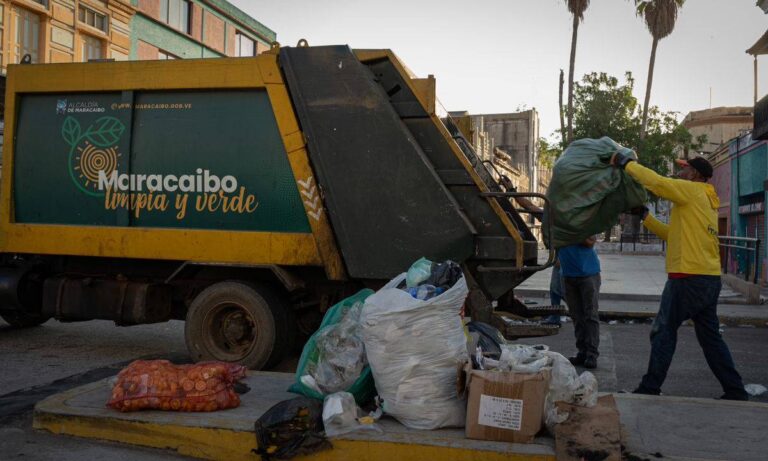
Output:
x,y
505,407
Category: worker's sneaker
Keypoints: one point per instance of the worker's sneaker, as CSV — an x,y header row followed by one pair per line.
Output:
x,y
577,360
590,363
734,396
551,320
644,391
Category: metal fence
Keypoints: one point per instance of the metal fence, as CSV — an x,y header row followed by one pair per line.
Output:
x,y
629,242
741,252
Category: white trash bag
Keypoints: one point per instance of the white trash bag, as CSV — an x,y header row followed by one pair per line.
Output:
x,y
415,348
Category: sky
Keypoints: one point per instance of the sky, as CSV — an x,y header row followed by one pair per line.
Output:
x,y
498,56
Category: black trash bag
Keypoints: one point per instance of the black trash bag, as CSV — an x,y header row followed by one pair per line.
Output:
x,y
291,428
444,275
490,338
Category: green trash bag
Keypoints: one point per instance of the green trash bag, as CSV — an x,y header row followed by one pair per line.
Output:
x,y
587,194
337,349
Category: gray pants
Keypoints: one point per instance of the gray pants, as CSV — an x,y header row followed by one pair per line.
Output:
x,y
581,294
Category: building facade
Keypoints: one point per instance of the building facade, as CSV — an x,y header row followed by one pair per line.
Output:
x,y
719,124
749,171
56,31
183,29
740,177
60,31
516,134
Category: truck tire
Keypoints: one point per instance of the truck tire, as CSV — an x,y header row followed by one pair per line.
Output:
x,y
238,322
23,319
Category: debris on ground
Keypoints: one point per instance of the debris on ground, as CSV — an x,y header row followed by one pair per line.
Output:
x,y
589,433
755,389
341,415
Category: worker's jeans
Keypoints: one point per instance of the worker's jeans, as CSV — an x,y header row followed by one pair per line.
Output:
x,y
692,298
581,294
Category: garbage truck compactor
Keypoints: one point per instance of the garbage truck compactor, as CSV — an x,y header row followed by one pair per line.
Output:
x,y
242,195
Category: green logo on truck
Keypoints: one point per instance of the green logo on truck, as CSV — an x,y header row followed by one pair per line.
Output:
x,y
92,151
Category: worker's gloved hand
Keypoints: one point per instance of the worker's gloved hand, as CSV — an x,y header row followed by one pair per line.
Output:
x,y
620,160
641,211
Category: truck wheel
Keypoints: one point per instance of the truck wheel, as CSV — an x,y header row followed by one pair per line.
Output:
x,y
237,322
23,319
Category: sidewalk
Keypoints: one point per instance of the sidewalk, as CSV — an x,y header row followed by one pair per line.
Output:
x,y
631,288
624,276
611,309
701,429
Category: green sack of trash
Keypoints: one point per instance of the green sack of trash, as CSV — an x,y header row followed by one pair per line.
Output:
x,y
333,360
587,194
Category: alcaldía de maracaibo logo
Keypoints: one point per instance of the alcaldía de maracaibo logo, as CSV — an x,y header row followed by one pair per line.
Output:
x,y
92,150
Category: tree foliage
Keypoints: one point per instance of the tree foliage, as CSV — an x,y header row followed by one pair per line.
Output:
x,y
659,15
606,106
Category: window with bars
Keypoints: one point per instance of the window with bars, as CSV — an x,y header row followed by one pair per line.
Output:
x,y
175,13
244,45
93,48
93,18
26,40
42,2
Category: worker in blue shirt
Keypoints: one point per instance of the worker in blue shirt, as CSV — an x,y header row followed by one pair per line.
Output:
x,y
581,276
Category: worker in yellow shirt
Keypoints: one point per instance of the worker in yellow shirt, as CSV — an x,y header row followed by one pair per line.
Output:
x,y
693,266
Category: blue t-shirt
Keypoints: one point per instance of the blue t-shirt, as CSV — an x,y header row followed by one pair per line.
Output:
x,y
578,261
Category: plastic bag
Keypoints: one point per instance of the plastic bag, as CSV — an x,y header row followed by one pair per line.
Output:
x,y
414,348
566,385
425,291
523,359
161,385
291,428
444,275
587,194
418,272
341,416
340,353
320,373
755,389
489,339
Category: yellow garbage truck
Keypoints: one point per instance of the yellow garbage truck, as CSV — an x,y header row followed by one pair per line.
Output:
x,y
241,195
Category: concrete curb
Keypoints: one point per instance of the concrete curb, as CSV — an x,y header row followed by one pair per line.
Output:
x,y
229,434
748,289
678,399
692,428
726,318
533,293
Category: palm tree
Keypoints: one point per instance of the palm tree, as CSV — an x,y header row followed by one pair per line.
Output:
x,y
577,9
660,17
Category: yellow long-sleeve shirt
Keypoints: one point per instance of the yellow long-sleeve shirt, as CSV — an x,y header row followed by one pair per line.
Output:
x,y
692,243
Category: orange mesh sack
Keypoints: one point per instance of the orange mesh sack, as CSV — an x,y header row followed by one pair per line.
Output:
x,y
161,385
